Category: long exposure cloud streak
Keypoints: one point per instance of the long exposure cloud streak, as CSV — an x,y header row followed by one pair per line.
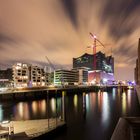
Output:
x,y
30,30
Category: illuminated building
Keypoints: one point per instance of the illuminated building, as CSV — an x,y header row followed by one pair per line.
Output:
x,y
104,72
21,75
37,76
82,75
65,77
26,75
70,77
100,77
103,63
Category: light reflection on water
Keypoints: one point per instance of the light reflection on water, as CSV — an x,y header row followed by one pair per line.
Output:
x,y
22,111
129,92
114,93
100,112
123,103
1,113
53,105
34,107
75,100
105,108
32,110
87,102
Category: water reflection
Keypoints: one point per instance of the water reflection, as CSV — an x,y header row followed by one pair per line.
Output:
x,y
75,100
53,105
123,103
84,105
34,107
114,93
92,101
105,108
22,111
95,116
1,113
43,106
99,101
129,92
87,102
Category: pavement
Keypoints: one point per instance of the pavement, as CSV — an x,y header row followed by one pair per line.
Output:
x,y
33,128
128,128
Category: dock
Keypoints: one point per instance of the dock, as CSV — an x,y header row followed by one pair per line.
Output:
x,y
41,92
29,129
127,128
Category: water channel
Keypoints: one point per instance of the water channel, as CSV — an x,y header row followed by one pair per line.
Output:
x,y
89,116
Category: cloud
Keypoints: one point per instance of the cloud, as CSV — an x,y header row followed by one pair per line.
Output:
x,y
70,8
30,30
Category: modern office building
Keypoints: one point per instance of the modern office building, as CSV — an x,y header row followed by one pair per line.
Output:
x,y
65,77
82,75
27,75
76,76
102,72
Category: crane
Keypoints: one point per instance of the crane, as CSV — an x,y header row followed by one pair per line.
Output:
x,y
60,77
95,40
94,48
50,63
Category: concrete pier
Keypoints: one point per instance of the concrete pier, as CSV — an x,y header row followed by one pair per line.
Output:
x,y
138,92
128,128
32,128
41,92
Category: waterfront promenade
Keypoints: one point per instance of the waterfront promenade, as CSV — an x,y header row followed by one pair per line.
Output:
x,y
37,92
138,92
29,129
82,111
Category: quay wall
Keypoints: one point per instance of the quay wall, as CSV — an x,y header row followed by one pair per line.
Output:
x,y
138,92
43,93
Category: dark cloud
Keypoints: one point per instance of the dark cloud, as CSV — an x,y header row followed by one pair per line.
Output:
x,y
7,39
126,55
123,50
70,8
118,29
117,13
114,10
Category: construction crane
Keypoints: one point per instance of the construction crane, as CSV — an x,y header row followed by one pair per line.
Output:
x,y
60,77
50,63
94,48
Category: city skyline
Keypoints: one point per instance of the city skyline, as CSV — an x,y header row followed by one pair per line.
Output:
x,y
31,30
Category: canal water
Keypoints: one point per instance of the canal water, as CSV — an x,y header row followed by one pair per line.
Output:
x,y
89,116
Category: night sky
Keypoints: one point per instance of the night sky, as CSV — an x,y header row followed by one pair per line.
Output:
x,y
59,29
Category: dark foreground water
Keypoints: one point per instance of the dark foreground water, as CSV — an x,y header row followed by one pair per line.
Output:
x,y
90,116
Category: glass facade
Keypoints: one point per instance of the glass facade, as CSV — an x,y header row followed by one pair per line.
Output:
x,y
103,63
